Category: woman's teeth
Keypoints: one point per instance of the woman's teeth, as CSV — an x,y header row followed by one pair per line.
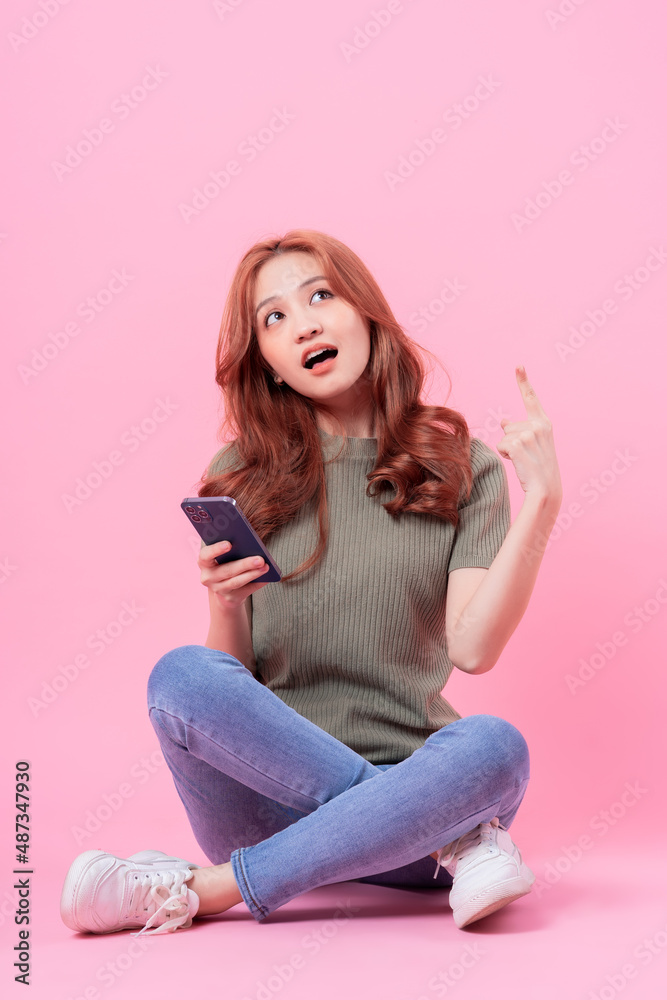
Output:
x,y
317,357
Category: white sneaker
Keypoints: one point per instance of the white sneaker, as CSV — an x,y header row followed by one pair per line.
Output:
x,y
487,869
103,893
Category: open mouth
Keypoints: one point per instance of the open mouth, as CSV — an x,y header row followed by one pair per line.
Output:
x,y
318,357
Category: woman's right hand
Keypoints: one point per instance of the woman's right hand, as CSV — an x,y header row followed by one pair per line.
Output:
x,y
231,582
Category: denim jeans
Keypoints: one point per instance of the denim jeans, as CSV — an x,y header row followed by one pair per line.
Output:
x,y
293,808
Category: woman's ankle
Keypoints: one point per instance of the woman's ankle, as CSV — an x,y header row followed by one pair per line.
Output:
x,y
216,889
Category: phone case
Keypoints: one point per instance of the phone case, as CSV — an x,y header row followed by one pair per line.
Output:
x,y
218,518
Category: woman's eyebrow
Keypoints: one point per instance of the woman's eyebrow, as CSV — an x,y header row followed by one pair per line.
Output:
x,y
271,298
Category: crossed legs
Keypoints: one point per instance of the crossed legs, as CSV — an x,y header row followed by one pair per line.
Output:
x,y
280,807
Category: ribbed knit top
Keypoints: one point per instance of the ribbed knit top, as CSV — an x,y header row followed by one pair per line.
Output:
x,y
357,644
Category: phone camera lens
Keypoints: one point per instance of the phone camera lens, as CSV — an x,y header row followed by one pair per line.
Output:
x,y
195,517
204,514
190,510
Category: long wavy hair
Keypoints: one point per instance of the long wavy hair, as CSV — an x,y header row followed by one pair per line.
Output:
x,y
423,452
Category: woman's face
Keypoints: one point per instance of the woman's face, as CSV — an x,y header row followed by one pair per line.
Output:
x,y
303,315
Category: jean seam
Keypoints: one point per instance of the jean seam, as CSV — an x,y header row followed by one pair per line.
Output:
x,y
280,784
262,909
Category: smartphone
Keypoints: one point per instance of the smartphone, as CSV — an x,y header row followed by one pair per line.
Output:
x,y
220,518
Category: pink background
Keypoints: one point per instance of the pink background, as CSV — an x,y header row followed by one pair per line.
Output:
x,y
76,382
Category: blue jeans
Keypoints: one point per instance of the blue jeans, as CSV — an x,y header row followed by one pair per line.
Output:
x,y
293,808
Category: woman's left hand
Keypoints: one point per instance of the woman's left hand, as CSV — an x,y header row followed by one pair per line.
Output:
x,y
529,445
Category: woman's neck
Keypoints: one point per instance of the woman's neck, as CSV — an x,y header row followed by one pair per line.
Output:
x,y
353,428
355,425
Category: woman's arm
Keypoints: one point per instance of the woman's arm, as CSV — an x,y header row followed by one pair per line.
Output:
x,y
231,631
484,606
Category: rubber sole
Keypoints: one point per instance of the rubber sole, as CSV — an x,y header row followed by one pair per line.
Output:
x,y
492,899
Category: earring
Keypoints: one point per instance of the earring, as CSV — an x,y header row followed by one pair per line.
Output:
x,y
277,379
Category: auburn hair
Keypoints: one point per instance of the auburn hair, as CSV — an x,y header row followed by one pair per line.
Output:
x,y
423,452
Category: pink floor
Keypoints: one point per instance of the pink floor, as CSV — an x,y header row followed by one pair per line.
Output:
x,y
596,930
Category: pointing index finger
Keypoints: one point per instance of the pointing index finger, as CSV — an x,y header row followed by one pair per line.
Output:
x,y
532,403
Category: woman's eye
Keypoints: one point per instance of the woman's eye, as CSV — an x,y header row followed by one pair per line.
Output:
x,y
276,312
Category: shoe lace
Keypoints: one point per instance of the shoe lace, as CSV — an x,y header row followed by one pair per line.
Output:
x,y
165,891
457,849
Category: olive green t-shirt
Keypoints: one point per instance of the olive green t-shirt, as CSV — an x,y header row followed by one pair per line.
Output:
x,y
357,644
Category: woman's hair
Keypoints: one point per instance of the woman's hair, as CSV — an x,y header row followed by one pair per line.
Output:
x,y
423,452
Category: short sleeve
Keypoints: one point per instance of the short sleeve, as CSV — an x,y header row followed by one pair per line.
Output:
x,y
484,518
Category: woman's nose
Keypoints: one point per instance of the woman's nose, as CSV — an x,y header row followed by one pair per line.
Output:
x,y
306,328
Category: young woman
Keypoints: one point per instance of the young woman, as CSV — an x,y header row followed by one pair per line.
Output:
x,y
391,525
